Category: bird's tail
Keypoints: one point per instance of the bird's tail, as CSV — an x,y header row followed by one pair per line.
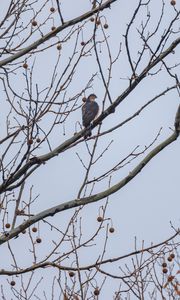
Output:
x,y
88,133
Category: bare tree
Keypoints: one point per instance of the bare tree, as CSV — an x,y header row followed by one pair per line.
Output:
x,y
53,55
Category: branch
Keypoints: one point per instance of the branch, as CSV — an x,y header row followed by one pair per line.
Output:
x,y
54,33
64,146
94,198
177,121
88,267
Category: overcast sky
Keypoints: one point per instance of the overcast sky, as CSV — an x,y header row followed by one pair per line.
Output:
x,y
145,206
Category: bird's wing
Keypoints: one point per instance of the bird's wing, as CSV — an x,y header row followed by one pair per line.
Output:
x,y
89,112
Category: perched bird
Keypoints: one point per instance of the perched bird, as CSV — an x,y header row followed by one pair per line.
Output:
x,y
90,111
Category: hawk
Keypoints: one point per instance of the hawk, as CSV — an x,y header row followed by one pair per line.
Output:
x,y
90,111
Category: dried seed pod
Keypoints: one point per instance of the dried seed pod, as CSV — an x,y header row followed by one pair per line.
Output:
x,y
34,23
59,47
12,283
38,240
164,264
38,140
30,141
169,259
172,255
111,229
99,219
7,225
165,270
96,292
71,274
25,65
34,229
173,2
98,22
52,9
170,278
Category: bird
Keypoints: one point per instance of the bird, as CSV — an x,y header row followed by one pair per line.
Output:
x,y
90,110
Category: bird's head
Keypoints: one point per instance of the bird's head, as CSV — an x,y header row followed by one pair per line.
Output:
x,y
92,97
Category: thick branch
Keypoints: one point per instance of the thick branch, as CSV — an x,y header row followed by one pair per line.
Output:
x,y
177,120
54,33
84,201
87,267
108,111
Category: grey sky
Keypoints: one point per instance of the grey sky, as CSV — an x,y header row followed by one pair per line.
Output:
x,y
146,205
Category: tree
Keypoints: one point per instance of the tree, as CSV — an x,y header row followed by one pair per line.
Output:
x,y
53,55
